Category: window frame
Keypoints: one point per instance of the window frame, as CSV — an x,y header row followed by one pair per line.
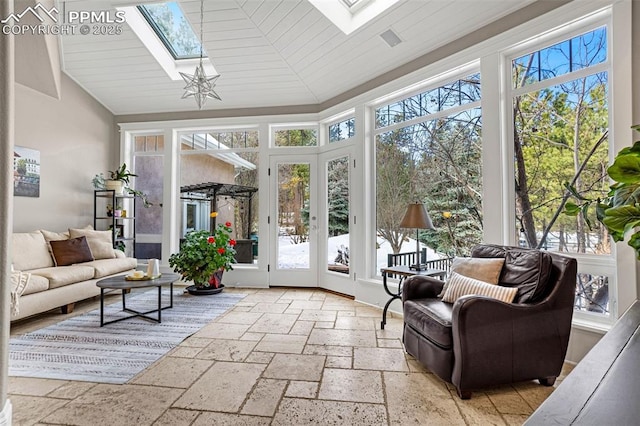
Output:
x,y
273,128
444,78
349,117
157,49
587,263
142,8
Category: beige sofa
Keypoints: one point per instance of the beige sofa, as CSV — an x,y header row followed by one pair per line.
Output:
x,y
50,285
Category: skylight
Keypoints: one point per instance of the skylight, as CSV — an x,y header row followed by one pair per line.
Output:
x,y
350,3
173,29
158,47
349,15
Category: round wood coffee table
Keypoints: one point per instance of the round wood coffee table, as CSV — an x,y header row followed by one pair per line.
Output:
x,y
120,283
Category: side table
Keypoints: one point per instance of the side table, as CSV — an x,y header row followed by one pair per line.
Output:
x,y
403,271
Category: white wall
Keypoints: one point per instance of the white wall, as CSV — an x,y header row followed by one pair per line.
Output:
x,y
77,138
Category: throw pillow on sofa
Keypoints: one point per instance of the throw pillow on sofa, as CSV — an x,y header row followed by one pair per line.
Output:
x,y
29,251
479,268
57,236
459,286
54,236
100,242
71,251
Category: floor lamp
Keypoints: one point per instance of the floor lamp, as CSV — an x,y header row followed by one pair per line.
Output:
x,y
417,217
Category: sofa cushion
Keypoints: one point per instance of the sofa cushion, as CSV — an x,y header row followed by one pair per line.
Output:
x,y
64,275
73,250
527,269
106,267
100,242
58,236
432,318
29,251
54,236
459,286
485,269
37,283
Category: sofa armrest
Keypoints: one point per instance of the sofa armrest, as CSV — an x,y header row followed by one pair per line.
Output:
x,y
420,287
497,342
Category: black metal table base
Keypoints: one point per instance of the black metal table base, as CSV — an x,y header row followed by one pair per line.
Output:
x,y
137,314
393,297
402,271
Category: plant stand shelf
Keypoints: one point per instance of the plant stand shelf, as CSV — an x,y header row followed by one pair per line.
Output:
x,y
123,229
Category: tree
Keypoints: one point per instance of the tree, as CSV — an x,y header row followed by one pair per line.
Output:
x,y
299,137
22,167
247,177
293,198
557,130
179,35
338,196
435,161
395,185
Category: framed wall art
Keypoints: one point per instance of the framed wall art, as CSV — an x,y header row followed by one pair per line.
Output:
x,y
26,172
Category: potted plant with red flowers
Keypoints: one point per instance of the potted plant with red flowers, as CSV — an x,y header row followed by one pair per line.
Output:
x,y
203,257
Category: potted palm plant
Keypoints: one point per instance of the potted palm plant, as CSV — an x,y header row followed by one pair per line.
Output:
x,y
203,257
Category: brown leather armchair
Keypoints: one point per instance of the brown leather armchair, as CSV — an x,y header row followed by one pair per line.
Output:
x,y
478,341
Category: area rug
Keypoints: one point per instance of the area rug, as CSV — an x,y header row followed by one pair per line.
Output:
x,y
79,349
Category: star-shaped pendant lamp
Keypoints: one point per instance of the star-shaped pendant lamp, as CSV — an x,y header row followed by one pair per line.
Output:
x,y
198,84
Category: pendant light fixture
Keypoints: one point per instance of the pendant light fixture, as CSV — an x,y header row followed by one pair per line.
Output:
x,y
198,84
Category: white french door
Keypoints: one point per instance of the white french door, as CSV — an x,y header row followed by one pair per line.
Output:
x,y
293,222
336,221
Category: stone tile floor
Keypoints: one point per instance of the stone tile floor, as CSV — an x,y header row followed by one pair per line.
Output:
x,y
280,357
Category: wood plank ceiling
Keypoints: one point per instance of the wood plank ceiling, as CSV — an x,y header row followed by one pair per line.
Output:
x,y
268,52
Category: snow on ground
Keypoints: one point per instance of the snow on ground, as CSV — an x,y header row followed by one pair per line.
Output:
x,y
293,256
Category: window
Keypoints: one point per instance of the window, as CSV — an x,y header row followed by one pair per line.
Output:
x,y
173,29
351,3
176,52
294,199
349,15
296,137
220,140
561,58
148,164
154,143
338,206
219,172
561,126
343,130
457,93
560,104
428,149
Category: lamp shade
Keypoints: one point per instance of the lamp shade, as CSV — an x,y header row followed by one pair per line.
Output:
x,y
416,217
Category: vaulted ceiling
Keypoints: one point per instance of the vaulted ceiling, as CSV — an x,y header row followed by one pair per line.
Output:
x,y
268,52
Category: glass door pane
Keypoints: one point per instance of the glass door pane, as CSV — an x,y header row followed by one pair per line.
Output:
x,y
293,186
219,173
148,220
338,215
